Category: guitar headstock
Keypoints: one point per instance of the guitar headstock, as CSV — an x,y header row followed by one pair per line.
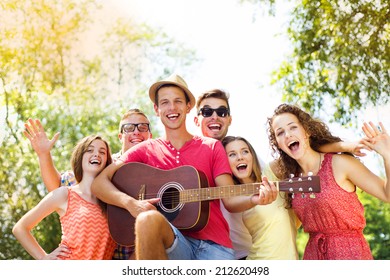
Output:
x,y
303,185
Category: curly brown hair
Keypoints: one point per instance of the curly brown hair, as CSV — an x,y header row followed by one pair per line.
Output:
x,y
317,129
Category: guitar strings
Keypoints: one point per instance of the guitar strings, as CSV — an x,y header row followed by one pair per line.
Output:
x,y
193,195
175,196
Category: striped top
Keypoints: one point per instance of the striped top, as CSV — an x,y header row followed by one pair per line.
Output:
x,y
85,230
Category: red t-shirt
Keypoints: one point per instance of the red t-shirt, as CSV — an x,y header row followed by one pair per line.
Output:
x,y
204,154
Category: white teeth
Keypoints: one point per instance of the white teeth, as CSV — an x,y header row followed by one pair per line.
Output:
x,y
94,161
241,166
172,115
136,140
214,126
292,142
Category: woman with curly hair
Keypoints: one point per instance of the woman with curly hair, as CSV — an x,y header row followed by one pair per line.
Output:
x,y
335,218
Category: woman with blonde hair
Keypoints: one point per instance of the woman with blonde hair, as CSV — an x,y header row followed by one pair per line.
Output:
x,y
273,228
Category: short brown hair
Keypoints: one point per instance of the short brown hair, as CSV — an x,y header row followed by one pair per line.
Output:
x,y
133,111
214,93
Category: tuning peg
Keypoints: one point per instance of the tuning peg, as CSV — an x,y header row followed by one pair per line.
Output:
x,y
312,195
292,195
309,173
291,176
303,195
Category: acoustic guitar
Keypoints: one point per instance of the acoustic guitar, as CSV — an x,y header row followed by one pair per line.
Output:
x,y
184,195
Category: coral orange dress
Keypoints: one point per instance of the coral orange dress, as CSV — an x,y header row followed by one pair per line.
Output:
x,y
334,220
85,230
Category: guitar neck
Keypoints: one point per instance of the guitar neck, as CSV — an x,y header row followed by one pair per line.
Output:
x,y
309,184
193,195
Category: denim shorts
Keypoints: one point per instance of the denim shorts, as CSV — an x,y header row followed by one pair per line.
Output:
x,y
187,248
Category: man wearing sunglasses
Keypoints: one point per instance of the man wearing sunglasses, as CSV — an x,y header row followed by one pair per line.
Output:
x,y
213,118
213,114
134,128
156,237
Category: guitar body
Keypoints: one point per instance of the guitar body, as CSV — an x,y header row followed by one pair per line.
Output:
x,y
142,181
184,196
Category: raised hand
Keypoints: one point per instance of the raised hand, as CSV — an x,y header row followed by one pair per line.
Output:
x,y
38,138
356,148
378,139
42,145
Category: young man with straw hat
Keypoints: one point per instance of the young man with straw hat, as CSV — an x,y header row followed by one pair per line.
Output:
x,y
156,237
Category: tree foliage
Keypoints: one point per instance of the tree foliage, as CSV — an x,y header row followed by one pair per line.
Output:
x,y
341,56
51,69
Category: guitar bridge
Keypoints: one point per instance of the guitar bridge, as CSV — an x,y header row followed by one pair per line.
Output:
x,y
141,193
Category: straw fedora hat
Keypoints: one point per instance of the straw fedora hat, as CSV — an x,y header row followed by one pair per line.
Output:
x,y
174,79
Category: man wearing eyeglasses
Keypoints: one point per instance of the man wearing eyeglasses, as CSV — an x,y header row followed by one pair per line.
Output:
x,y
134,128
156,237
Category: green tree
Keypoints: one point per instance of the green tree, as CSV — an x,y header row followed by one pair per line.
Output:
x,y
48,71
35,42
341,56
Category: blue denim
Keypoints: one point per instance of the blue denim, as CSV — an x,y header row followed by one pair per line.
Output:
x,y
187,248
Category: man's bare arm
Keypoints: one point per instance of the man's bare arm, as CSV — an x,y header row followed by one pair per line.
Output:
x,y
106,191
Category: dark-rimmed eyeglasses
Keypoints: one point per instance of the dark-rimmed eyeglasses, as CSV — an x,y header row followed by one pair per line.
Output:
x,y
130,127
208,112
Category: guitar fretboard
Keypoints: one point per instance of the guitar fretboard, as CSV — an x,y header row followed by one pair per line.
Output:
x,y
193,195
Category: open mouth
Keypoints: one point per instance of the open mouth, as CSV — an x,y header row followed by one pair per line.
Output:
x,y
214,127
95,162
172,116
136,140
293,146
241,167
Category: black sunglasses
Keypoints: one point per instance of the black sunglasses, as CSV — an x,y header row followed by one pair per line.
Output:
x,y
130,127
208,112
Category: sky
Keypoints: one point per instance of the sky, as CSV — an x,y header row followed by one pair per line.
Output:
x,y
239,46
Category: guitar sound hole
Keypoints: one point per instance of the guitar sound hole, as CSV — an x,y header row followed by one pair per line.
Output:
x,y
170,198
